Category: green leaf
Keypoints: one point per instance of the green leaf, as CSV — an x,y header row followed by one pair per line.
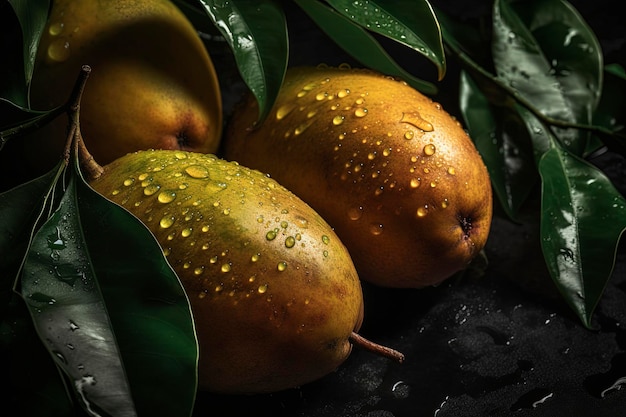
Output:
x,y
611,112
500,137
257,35
26,360
359,44
22,29
545,51
583,218
110,309
147,305
61,291
21,209
15,119
410,23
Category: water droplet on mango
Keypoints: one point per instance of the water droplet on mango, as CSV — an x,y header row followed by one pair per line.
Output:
x,y
355,213
167,222
283,111
337,120
360,112
197,171
151,189
415,118
429,149
59,50
55,28
166,197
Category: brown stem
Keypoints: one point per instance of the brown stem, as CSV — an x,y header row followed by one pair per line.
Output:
x,y
363,343
75,143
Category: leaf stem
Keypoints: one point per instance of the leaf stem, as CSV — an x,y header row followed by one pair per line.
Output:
x,y
469,62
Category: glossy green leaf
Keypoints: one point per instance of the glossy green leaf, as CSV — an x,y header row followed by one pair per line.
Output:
x,y
500,137
61,291
15,119
23,26
611,112
26,360
359,44
110,309
583,218
257,34
545,51
409,22
147,306
21,209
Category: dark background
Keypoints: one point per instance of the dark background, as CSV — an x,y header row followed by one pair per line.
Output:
x,y
500,344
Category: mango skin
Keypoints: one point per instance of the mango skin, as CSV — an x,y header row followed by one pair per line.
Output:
x,y
153,84
273,291
395,175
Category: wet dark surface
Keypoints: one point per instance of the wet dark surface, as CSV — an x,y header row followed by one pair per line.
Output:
x,y
499,344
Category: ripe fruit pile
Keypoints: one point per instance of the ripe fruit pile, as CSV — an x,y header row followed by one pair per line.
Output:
x,y
368,176
395,175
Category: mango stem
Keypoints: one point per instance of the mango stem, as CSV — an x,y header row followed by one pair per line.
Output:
x,y
363,343
75,143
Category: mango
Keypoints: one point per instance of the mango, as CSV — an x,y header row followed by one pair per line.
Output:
x,y
275,296
395,175
153,84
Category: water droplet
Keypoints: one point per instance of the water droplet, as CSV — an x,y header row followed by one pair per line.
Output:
x,y
271,235
422,211
445,203
128,181
355,213
166,196
415,182
59,50
255,257
337,120
197,171
225,268
186,232
360,112
282,265
325,239
167,221
283,111
151,189
409,134
376,229
429,149
199,270
300,129
415,118
290,242
451,171
321,96
180,155
55,28
401,389
262,289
